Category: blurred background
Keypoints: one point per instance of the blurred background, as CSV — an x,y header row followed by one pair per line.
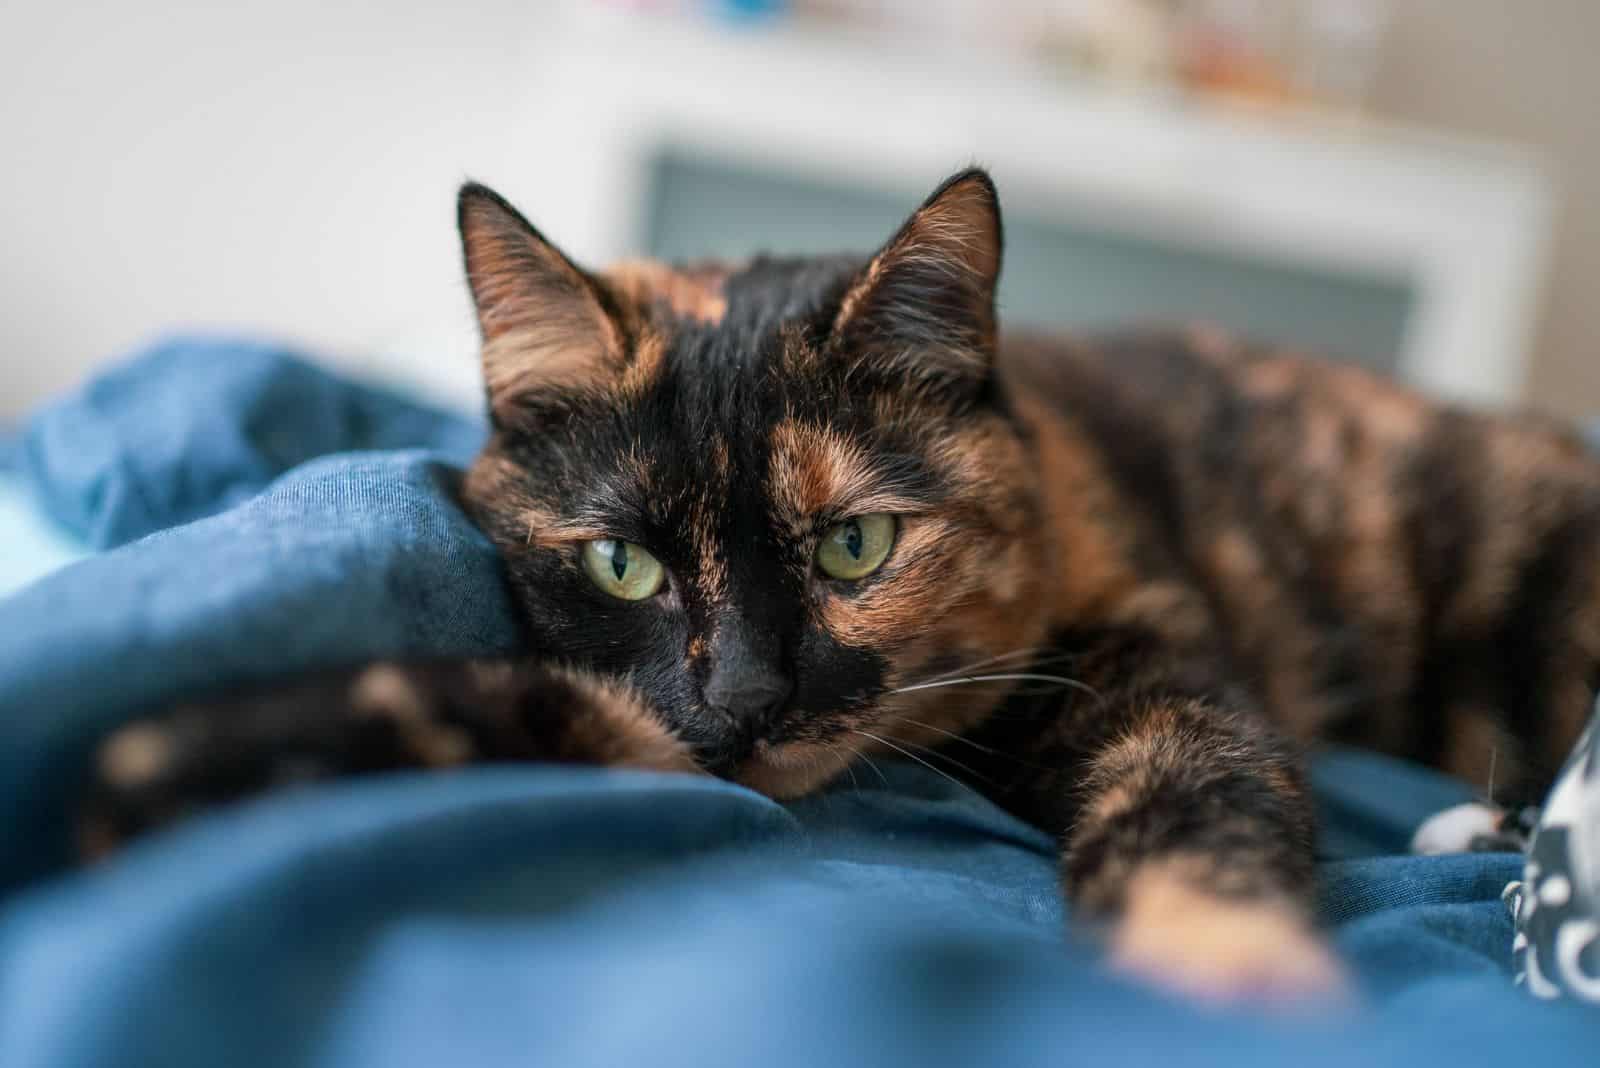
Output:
x,y
1413,184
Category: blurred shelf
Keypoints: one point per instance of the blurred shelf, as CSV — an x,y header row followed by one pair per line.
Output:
x,y
1463,223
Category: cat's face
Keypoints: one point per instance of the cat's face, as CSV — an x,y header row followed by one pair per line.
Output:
x,y
774,497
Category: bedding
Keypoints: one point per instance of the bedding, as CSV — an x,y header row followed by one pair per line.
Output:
x,y
33,546
30,544
257,517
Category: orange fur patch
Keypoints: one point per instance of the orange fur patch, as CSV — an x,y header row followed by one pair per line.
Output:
x,y
1216,950
1085,522
645,365
619,730
136,755
712,568
693,293
383,691
814,470
793,769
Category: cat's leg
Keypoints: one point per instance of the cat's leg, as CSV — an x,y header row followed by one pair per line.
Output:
x,y
1187,827
379,718
1193,846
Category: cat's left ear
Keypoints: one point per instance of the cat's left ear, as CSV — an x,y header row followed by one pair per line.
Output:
x,y
546,323
925,302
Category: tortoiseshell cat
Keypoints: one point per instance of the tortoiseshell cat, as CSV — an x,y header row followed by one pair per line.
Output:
x,y
767,517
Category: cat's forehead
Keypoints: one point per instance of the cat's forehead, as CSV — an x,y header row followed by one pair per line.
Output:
x,y
714,451
727,316
721,355
729,404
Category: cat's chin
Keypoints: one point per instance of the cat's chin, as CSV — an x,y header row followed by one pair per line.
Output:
x,y
793,769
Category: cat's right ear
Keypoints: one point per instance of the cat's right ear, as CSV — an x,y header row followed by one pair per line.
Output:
x,y
544,320
925,304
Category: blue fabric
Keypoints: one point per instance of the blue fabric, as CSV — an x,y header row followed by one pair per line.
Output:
x,y
191,427
33,546
566,917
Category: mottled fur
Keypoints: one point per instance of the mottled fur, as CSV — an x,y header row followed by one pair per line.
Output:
x,y
1200,556
381,718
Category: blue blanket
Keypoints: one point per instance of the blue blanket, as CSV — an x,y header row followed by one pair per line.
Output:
x,y
258,517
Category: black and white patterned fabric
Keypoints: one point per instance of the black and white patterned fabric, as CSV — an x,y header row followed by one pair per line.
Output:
x,y
1556,906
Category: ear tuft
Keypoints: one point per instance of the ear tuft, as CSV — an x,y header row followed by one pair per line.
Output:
x,y
542,317
926,300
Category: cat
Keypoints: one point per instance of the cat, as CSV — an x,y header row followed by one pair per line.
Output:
x,y
761,518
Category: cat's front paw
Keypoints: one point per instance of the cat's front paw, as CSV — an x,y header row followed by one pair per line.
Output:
x,y
141,779
384,717
158,771
1219,951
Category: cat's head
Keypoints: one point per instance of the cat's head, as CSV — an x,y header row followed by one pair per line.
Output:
x,y
778,497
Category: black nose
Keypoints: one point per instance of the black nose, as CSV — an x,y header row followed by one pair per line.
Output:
x,y
744,707
746,687
749,694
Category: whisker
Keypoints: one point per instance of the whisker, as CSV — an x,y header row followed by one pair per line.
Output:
x,y
987,661
874,767
849,766
948,734
947,758
1002,661
833,750
912,756
1026,676
953,736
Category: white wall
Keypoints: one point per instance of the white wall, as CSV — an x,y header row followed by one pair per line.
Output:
x,y
286,167
1527,72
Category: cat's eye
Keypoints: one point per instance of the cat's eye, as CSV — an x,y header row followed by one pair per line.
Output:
x,y
623,569
857,547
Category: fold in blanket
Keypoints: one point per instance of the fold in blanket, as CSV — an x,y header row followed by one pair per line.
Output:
x,y
547,916
190,427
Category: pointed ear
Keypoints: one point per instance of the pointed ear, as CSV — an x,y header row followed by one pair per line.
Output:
x,y
925,302
545,322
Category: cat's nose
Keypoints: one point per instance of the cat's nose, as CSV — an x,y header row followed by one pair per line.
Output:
x,y
747,686
749,694
748,701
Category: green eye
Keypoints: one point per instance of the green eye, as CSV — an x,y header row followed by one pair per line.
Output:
x,y
622,569
857,547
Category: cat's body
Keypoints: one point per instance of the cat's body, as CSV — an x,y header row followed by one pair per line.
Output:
x,y
1372,568
814,508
